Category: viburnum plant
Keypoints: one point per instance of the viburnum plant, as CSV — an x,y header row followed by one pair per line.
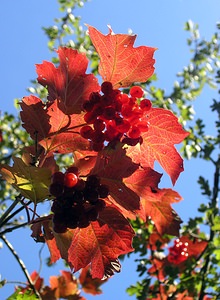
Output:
x,y
114,139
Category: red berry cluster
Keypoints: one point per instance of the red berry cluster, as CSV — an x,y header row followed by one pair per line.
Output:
x,y
115,116
178,253
78,202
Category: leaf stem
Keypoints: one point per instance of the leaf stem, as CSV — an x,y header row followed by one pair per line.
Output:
x,y
22,265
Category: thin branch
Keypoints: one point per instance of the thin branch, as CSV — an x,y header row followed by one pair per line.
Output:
x,y
24,206
11,207
22,265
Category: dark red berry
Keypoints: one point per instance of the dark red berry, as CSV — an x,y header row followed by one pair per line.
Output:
x,y
73,169
106,87
56,189
86,132
58,177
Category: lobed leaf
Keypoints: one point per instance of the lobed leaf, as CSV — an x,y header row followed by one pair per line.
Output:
x,y
68,82
120,62
99,244
30,181
158,143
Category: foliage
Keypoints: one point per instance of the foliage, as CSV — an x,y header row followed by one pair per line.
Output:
x,y
114,206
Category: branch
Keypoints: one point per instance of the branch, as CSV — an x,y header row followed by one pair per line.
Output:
x,y
22,265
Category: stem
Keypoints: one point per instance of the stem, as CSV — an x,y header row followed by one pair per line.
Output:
x,y
5,221
22,265
215,190
13,228
7,212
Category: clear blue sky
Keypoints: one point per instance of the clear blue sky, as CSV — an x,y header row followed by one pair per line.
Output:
x,y
158,24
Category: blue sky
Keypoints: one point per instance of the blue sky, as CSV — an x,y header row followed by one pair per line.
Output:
x,y
158,24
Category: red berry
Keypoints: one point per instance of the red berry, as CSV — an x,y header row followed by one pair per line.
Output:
x,y
70,180
143,126
136,91
123,98
134,132
123,126
145,104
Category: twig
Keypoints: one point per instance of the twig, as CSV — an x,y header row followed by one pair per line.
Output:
x,y
11,207
22,265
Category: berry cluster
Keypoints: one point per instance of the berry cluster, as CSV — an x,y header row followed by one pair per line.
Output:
x,y
178,253
78,202
115,116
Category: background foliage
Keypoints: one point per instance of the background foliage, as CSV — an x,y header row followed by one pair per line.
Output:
x,y
199,277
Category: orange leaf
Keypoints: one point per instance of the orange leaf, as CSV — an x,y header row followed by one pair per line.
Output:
x,y
120,62
64,285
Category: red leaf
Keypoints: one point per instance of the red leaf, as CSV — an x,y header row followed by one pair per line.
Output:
x,y
157,206
90,285
112,166
34,117
120,62
99,244
68,82
155,203
158,143
64,134
51,127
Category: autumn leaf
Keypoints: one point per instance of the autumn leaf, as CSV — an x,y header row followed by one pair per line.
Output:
x,y
158,143
120,62
112,166
30,181
35,119
61,132
155,202
99,244
68,82
64,286
90,285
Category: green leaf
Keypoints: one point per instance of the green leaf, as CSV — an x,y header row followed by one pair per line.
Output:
x,y
26,295
32,182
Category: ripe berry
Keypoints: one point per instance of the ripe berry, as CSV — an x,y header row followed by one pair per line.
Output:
x,y
57,177
136,91
86,132
56,189
134,132
145,104
70,180
106,87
